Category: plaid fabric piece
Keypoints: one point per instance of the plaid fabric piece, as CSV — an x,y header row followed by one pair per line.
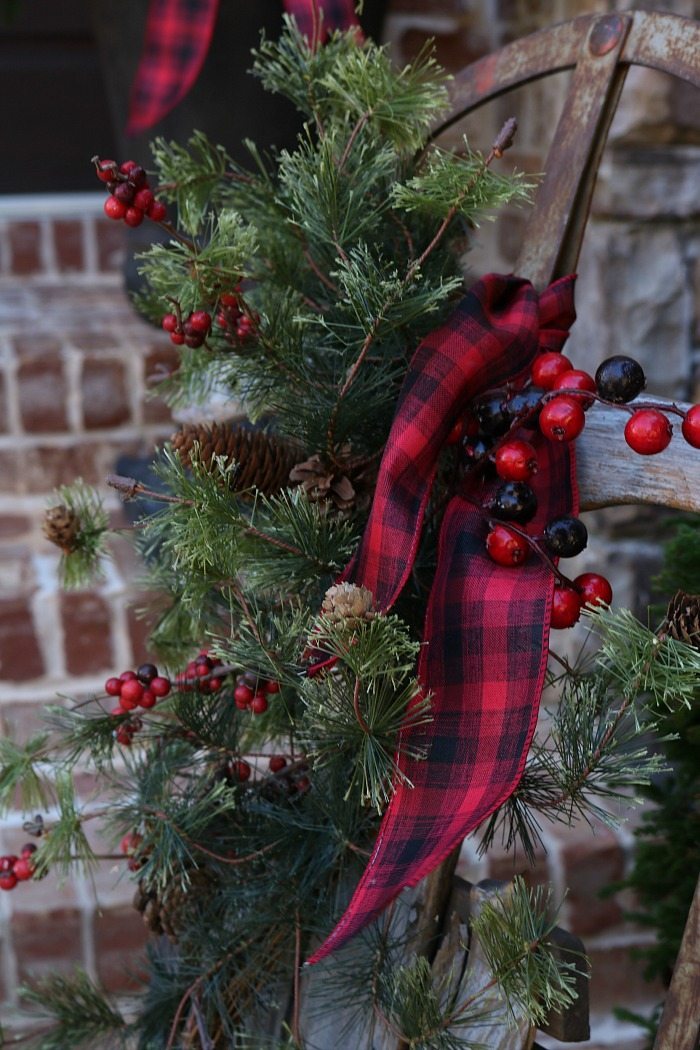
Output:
x,y
486,626
178,35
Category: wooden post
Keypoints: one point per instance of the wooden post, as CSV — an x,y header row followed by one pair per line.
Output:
x,y
680,1021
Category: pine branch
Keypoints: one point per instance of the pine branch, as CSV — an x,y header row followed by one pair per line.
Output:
x,y
82,1015
20,774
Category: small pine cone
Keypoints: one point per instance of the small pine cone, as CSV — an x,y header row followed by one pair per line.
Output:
x,y
61,526
683,618
262,461
322,485
348,603
146,902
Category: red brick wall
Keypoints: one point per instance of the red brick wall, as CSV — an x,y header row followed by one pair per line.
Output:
x,y
74,361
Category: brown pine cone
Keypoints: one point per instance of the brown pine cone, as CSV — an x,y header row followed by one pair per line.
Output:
x,y
61,526
262,461
348,603
683,618
169,911
322,485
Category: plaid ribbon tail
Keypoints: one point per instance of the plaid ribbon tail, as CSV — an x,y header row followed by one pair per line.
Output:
x,y
487,627
178,36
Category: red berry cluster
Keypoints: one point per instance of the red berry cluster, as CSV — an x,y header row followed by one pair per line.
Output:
x,y
295,780
251,692
130,197
554,400
200,674
17,869
141,688
192,331
238,325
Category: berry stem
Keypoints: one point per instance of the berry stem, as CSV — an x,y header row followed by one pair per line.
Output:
x,y
530,540
631,407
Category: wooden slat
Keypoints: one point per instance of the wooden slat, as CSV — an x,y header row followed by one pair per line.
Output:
x,y
610,473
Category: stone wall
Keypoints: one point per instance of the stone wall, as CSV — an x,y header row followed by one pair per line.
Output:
x,y
74,362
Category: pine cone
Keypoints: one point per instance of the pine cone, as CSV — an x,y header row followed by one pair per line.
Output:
x,y
262,461
170,911
683,618
61,526
348,603
322,485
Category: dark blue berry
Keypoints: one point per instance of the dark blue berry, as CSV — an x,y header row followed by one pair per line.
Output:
x,y
620,379
514,501
565,537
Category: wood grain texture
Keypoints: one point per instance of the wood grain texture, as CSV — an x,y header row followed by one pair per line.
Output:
x,y
680,1021
610,473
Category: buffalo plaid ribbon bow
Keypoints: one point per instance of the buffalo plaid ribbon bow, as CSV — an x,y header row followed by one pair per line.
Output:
x,y
178,35
486,627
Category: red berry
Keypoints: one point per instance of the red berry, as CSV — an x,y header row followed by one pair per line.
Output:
x,y
576,379
156,211
8,880
593,588
126,676
148,699
562,419
7,862
506,547
214,684
258,704
200,321
229,300
242,770
27,849
243,694
548,367
516,461
131,694
177,338
202,670
648,431
302,785
133,217
143,199
160,686
130,842
222,320
127,166
194,340
105,170
272,687
114,209
23,869
690,427
118,710
113,687
169,323
124,736
566,607
277,763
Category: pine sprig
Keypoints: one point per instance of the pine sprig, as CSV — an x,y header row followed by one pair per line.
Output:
x,y
65,845
21,774
81,563
190,177
81,1014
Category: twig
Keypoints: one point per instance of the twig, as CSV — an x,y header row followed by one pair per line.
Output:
x,y
296,1008
353,135
356,708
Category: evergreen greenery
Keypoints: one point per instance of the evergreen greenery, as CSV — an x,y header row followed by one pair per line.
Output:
x,y
341,256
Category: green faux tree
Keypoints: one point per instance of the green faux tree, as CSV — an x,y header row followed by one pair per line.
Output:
x,y
245,792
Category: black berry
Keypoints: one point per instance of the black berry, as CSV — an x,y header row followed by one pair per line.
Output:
x,y
493,416
620,379
514,501
523,403
565,537
146,673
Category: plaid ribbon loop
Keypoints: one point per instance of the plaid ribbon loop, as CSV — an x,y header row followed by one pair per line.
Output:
x,y
486,627
178,37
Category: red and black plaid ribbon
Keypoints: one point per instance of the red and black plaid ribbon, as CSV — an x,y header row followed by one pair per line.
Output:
x,y
178,35
487,627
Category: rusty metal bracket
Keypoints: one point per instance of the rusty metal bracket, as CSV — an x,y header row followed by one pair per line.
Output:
x,y
600,49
